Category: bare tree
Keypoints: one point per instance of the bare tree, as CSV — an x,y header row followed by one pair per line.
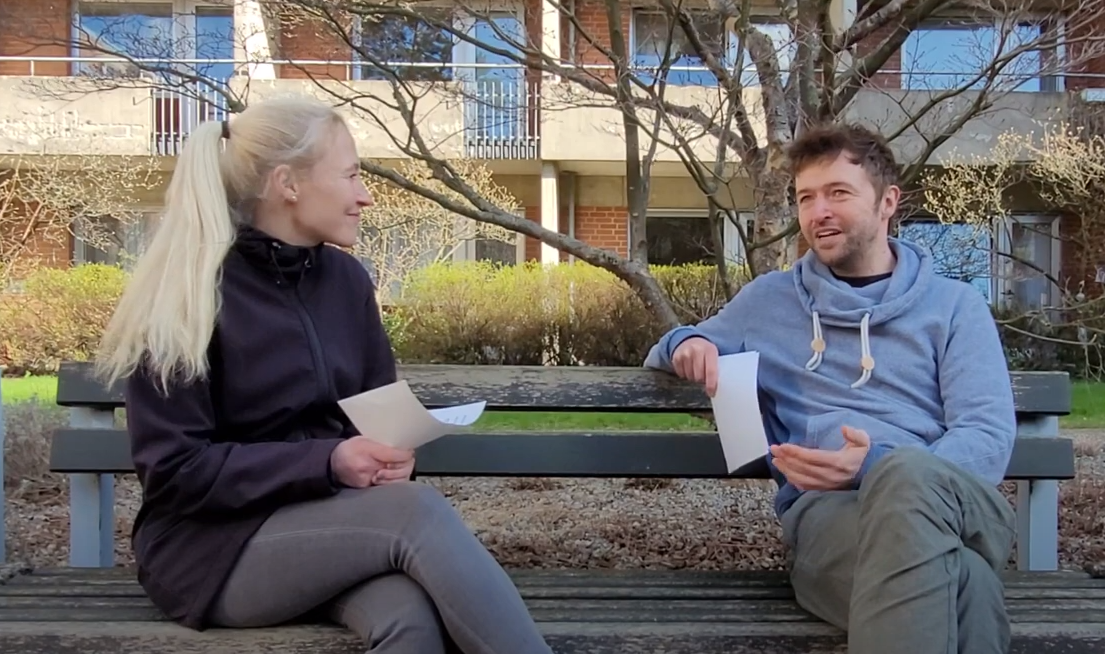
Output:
x,y
404,231
47,200
1065,173
768,79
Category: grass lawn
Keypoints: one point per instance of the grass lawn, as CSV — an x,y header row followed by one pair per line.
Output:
x,y
23,389
1088,411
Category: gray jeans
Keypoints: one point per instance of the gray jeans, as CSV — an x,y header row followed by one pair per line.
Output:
x,y
394,563
910,562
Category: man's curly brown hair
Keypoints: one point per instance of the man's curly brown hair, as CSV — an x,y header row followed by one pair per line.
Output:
x,y
863,146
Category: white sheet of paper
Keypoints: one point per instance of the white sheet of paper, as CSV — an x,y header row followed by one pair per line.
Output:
x,y
394,416
737,409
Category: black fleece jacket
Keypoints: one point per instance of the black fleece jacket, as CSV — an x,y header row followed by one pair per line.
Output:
x,y
298,330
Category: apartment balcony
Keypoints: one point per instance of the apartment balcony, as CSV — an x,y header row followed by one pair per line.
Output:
x,y
475,111
72,116
579,126
130,111
487,119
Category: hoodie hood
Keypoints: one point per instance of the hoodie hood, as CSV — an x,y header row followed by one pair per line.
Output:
x,y
832,301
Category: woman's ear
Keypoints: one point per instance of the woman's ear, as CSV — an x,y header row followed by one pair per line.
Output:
x,y
284,183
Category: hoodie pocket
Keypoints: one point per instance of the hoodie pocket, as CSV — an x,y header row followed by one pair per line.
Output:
x,y
824,431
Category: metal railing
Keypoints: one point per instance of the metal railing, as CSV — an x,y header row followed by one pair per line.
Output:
x,y
176,112
500,106
500,103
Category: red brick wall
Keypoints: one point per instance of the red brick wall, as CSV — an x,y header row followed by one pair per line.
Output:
x,y
533,246
50,244
595,33
882,80
34,28
1082,33
1081,251
604,227
307,38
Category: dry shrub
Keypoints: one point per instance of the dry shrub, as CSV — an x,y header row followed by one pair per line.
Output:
x,y
58,315
483,313
27,448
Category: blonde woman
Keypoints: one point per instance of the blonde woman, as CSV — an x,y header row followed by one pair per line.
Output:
x,y
240,330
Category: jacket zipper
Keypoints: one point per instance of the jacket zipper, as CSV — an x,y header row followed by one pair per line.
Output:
x,y
321,371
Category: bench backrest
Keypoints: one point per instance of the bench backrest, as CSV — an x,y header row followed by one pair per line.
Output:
x,y
1040,398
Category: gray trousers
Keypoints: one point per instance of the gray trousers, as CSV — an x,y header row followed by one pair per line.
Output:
x,y
910,562
394,563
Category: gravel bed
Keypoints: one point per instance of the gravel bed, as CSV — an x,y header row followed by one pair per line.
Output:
x,y
594,523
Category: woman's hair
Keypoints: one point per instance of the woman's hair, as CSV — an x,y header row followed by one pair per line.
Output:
x,y
167,313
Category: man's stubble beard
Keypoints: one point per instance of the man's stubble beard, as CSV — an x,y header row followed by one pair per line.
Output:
x,y
854,250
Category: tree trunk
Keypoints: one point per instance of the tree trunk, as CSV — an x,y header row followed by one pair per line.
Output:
x,y
774,222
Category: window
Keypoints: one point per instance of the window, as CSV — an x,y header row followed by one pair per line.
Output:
x,y
180,30
139,30
495,109
408,40
1027,274
1011,263
489,249
786,49
959,251
654,31
193,39
949,54
679,240
113,241
496,94
655,35
683,236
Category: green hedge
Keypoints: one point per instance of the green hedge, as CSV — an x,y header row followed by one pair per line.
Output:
x,y
476,313
479,313
57,315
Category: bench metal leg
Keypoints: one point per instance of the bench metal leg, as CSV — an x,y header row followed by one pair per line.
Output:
x,y
3,534
1037,505
91,503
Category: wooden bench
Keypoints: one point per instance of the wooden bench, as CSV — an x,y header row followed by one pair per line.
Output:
x,y
90,609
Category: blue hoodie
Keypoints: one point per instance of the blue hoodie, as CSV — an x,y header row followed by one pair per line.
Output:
x,y
939,381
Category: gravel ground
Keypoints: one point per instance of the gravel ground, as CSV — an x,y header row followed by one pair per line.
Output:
x,y
700,524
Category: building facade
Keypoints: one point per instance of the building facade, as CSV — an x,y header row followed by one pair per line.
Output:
x,y
565,164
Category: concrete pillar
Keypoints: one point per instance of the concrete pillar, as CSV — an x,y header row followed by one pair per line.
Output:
x,y
253,41
550,32
842,14
550,209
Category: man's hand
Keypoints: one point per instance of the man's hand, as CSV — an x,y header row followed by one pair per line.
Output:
x,y
822,470
359,462
696,359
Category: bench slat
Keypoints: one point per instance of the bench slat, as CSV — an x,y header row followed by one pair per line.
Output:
x,y
569,578
620,611
680,613
565,638
563,388
562,454
127,594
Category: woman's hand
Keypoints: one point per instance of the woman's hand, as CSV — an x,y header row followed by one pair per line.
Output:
x,y
360,462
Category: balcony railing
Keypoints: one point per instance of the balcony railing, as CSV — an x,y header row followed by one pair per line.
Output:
x,y
176,111
500,106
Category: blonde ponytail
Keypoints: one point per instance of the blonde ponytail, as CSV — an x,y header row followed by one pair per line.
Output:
x,y
167,314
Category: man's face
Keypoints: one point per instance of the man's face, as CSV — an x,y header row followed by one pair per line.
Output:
x,y
841,214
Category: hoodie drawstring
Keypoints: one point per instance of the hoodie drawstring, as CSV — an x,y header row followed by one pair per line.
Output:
x,y
866,362
817,344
